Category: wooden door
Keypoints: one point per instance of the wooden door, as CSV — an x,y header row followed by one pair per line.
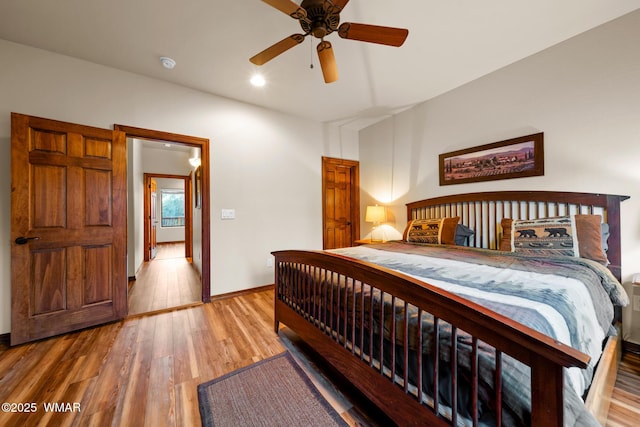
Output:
x,y
68,227
340,202
153,219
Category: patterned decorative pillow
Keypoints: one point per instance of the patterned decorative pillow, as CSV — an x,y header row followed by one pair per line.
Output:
x,y
547,236
575,235
433,230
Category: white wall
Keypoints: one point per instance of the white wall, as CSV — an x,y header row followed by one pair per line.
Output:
x,y
264,164
135,207
161,161
584,94
196,225
341,141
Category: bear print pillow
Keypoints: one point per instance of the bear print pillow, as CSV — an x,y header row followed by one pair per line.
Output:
x,y
547,236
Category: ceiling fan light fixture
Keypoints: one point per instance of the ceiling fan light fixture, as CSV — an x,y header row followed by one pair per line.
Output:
x,y
257,80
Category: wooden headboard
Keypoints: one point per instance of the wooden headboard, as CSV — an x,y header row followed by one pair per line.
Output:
x,y
484,211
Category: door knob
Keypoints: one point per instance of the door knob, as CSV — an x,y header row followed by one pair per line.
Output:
x,y
24,240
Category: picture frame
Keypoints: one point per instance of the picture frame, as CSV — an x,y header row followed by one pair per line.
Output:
x,y
512,158
198,187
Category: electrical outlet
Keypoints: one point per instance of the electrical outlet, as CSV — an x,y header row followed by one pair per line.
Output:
x,y
269,261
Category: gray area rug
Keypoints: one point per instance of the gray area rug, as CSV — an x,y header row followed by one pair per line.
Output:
x,y
272,392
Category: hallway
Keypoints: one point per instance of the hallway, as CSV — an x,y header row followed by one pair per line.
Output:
x,y
166,282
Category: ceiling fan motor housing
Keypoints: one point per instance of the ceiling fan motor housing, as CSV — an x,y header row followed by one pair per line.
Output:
x,y
321,20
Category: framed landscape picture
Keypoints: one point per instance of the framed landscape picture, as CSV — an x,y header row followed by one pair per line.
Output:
x,y
512,158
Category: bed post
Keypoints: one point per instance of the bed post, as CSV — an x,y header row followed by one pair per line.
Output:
x,y
276,269
547,381
614,254
615,245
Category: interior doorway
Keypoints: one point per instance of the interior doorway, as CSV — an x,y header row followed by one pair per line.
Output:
x,y
340,202
167,277
162,224
196,245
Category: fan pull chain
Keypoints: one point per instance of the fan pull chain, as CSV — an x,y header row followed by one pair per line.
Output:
x,y
311,53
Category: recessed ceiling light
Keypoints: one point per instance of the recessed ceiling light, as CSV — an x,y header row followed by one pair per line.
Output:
x,y
167,62
167,145
257,80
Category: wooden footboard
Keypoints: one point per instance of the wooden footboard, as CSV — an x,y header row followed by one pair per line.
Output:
x,y
599,398
344,327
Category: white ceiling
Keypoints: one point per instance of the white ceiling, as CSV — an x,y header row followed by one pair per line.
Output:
x,y
451,42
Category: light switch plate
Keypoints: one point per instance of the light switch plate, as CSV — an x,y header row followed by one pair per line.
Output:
x,y
227,214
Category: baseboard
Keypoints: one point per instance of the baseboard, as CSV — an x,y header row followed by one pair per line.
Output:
x,y
244,292
630,347
5,339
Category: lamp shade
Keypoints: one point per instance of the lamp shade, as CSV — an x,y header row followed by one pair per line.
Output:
x,y
375,214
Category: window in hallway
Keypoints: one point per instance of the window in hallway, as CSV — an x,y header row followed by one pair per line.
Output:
x,y
172,211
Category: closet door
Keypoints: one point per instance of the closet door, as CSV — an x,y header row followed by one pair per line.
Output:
x,y
340,202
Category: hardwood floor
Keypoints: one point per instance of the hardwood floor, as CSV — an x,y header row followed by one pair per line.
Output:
x,y
625,401
170,250
166,282
144,371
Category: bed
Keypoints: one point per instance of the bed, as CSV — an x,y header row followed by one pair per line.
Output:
x,y
386,315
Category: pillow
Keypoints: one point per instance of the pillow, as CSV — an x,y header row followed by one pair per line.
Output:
x,y
590,235
432,230
505,241
462,233
577,235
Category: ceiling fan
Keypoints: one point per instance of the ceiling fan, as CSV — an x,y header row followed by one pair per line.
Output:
x,y
320,18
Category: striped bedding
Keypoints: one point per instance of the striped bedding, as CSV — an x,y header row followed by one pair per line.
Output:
x,y
569,299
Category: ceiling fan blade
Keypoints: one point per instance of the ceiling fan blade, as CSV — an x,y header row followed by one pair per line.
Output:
x,y
373,33
327,62
339,5
288,7
272,51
